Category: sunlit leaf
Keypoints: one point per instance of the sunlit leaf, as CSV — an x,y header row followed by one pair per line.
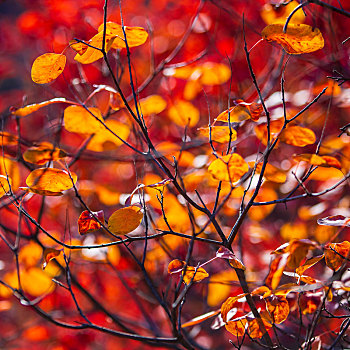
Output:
x,y
43,153
47,67
237,264
83,121
93,53
259,213
78,46
334,260
50,181
254,328
335,220
24,111
7,139
298,136
219,134
10,168
308,263
237,327
200,319
273,278
49,254
228,168
278,13
241,111
225,253
271,172
36,282
298,39
125,220
87,223
135,36
4,185
183,113
325,174
194,274
261,130
314,159
176,266
263,291
298,251
104,140
30,254
214,73
229,304
153,104
278,308
294,230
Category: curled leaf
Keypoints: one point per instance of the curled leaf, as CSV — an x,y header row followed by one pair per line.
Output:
x,y
49,254
237,264
237,327
335,220
43,153
176,266
278,307
335,254
225,253
87,223
229,304
50,181
194,274
47,67
26,110
298,39
125,220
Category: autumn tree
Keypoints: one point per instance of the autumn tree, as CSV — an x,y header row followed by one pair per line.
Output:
x,y
175,175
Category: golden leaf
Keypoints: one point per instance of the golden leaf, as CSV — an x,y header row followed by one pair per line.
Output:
x,y
260,212
50,181
237,327
47,67
125,220
26,110
43,153
80,120
135,36
334,260
228,168
176,266
298,39
153,104
229,304
194,274
298,136
49,254
261,130
184,113
219,134
4,185
278,308
271,173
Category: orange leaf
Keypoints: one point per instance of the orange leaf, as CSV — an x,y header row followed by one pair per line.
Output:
x,y
135,36
297,252
43,153
237,327
334,260
254,329
308,263
49,254
7,139
125,220
194,274
278,308
184,113
200,319
259,213
78,46
262,291
50,181
312,159
153,104
214,73
87,223
47,67
229,304
298,39
24,111
176,266
298,136
261,130
219,134
228,168
4,185
237,264
271,173
273,278
80,120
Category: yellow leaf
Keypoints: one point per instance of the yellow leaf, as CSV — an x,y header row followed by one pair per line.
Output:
x,y
259,213
50,181
271,173
4,185
299,38
298,136
219,134
135,36
184,113
78,119
194,274
278,13
30,254
24,111
49,254
261,130
43,153
214,73
237,328
228,168
47,67
125,220
78,46
89,54
153,104
104,140
36,282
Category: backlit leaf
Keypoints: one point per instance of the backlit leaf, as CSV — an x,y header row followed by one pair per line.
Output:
x,y
87,223
334,260
308,263
78,46
135,36
24,111
229,304
254,328
278,308
47,67
219,134
214,73
237,327
220,286
228,168
278,13
80,120
43,153
271,173
36,282
50,181
298,136
184,113
314,159
176,266
237,264
125,220
153,104
298,39
49,254
259,213
200,319
7,139
335,220
4,185
261,130
194,274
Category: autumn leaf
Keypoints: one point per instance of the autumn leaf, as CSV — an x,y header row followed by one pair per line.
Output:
x,y
335,220
314,159
83,121
334,260
176,266
254,328
298,39
49,254
194,274
224,253
78,46
228,168
135,36
298,136
308,263
271,172
237,264
237,327
24,111
229,304
183,113
87,222
279,12
219,134
261,130
43,153
125,220
8,139
47,67
278,308
240,112
4,185
50,181
153,104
